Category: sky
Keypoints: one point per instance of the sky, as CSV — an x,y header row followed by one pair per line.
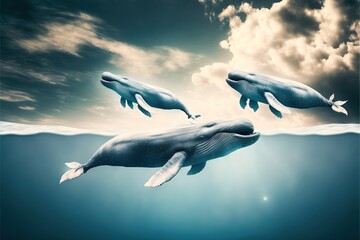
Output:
x,y
53,54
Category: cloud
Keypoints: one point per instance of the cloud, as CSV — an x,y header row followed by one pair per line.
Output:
x,y
71,35
66,37
28,108
15,96
305,41
210,7
212,74
291,40
228,12
13,68
213,2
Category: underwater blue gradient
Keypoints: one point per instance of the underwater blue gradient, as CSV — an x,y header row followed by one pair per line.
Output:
x,y
311,184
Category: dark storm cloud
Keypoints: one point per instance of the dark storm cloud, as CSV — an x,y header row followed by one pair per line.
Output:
x,y
345,85
344,82
350,11
296,21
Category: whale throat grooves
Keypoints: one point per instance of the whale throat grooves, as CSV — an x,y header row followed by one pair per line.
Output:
x,y
219,145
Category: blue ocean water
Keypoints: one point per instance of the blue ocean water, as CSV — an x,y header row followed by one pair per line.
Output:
x,y
283,187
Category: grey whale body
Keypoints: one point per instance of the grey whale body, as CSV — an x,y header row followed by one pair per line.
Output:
x,y
144,95
279,94
171,150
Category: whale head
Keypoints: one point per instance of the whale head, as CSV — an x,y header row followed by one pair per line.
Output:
x,y
114,82
222,138
241,80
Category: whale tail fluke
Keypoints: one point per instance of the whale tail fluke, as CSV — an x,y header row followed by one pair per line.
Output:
x,y
76,171
337,105
192,118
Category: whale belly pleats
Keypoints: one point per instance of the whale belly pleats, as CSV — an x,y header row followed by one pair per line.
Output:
x,y
217,146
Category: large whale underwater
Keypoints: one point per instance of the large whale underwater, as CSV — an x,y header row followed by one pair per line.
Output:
x,y
279,94
191,145
146,96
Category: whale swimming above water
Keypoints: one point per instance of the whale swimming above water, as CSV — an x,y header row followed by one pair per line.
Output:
x,y
146,96
279,94
192,145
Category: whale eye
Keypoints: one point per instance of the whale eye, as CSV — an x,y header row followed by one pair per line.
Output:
x,y
252,74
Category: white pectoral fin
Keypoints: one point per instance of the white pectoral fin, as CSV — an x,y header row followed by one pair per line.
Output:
x,y
142,103
275,103
196,168
168,171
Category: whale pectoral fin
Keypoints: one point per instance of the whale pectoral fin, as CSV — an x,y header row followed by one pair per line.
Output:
x,y
130,104
123,102
196,168
273,102
168,171
254,105
243,101
144,111
275,112
140,100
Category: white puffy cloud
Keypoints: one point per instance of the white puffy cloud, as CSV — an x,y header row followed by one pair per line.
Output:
x,y
228,12
214,74
70,36
291,40
264,42
224,44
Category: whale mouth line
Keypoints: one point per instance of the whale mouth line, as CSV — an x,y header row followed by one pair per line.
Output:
x,y
236,80
247,135
107,79
242,132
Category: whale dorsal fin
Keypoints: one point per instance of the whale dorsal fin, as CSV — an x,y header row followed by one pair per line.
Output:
x,y
168,171
275,103
196,168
